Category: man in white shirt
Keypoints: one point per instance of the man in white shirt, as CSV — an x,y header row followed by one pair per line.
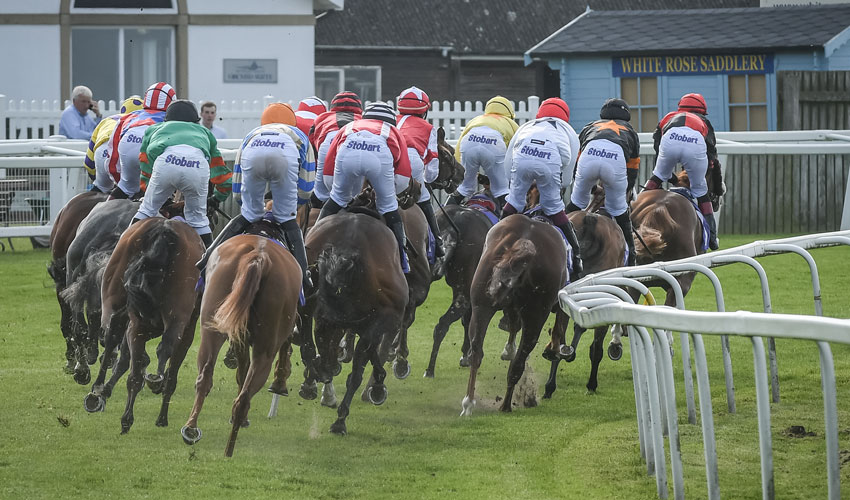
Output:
x,y
76,123
208,111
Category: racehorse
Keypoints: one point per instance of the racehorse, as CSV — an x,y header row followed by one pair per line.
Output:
x,y
358,286
523,266
86,258
63,232
250,298
464,229
451,171
149,291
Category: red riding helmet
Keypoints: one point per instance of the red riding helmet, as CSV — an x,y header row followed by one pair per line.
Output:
x,y
159,96
694,103
413,101
554,107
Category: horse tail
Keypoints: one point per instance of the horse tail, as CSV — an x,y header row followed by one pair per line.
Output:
x,y
508,269
56,270
588,237
84,285
339,269
232,315
653,241
144,278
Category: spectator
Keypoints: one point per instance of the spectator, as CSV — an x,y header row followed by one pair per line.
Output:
x,y
76,123
208,110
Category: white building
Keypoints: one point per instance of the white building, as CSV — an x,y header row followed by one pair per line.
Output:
x,y
207,49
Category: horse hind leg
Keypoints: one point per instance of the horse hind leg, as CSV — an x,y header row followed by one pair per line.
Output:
x,y
596,351
184,341
455,311
114,335
211,343
66,327
135,380
531,326
255,378
282,371
481,316
355,378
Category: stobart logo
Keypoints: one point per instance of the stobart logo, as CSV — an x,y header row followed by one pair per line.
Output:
x,y
267,143
602,153
362,146
182,162
683,138
530,151
134,138
481,139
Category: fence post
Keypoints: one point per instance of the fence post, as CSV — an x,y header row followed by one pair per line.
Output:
x,y
4,107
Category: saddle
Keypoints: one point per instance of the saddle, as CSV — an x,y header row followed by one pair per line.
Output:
x,y
704,224
485,205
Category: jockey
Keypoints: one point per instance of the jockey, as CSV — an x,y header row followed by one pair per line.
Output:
x,y
370,148
279,154
180,153
308,110
345,108
610,152
127,139
482,145
544,151
686,136
421,138
100,149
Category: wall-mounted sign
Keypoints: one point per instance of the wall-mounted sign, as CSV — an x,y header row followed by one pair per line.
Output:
x,y
250,71
733,64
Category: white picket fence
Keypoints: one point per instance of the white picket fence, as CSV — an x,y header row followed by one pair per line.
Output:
x,y
35,119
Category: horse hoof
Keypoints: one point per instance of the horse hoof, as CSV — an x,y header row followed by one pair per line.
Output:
x,y
615,351
162,422
547,394
191,435
125,426
245,423
230,360
92,356
401,369
82,377
69,367
464,362
280,391
308,392
93,403
571,357
550,355
377,394
154,382
567,351
466,407
338,428
337,369
429,373
508,353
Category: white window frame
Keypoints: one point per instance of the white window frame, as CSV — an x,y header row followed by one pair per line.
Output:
x,y
747,103
342,69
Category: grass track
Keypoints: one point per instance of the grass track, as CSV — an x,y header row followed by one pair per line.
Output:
x,y
415,445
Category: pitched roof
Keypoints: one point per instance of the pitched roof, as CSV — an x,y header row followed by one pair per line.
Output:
x,y
480,27
625,32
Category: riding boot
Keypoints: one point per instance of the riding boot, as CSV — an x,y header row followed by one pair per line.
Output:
x,y
625,223
207,239
95,189
561,220
236,226
393,220
315,202
455,199
708,212
329,208
428,210
135,220
117,194
500,203
508,209
295,241
572,207
653,183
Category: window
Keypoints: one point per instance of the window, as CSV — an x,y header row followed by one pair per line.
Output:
x,y
122,4
641,94
364,80
747,102
141,56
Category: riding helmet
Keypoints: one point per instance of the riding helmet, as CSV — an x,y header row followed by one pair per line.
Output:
x,y
500,106
182,110
554,107
615,109
346,101
693,102
278,112
413,101
130,104
379,111
158,96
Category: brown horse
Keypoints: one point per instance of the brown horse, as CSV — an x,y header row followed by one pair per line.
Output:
x,y
464,230
358,286
523,266
251,297
451,171
63,232
149,291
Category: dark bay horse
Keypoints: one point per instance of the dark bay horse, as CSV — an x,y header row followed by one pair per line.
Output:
x,y
251,297
63,233
522,268
149,291
86,259
464,230
358,286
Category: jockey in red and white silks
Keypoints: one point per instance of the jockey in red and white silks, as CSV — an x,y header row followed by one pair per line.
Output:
x,y
345,108
308,110
369,149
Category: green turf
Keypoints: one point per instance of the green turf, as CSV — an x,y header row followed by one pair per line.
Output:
x,y
415,446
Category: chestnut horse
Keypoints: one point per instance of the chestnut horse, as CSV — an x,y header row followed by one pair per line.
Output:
x,y
358,286
149,291
63,233
251,298
522,268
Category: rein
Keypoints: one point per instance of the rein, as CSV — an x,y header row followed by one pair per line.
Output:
x,y
434,197
635,231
